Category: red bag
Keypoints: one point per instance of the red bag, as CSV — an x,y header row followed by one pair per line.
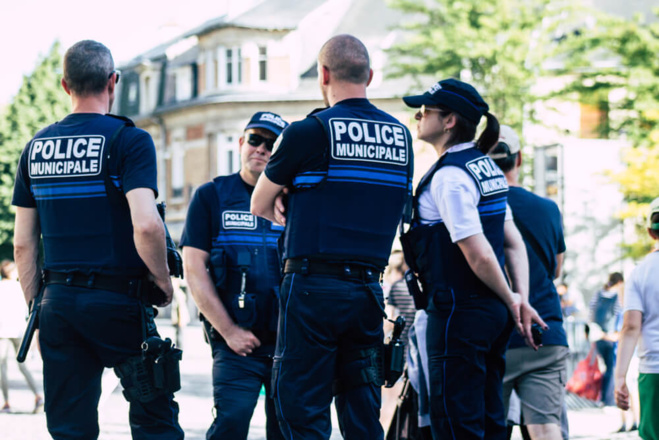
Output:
x,y
586,381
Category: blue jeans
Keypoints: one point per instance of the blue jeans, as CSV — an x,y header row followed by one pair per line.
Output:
x,y
320,317
237,381
607,350
81,331
467,337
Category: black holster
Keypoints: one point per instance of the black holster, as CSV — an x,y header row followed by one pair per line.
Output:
x,y
153,374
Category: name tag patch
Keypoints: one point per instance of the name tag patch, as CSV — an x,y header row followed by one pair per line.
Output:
x,y
489,176
66,156
369,141
238,220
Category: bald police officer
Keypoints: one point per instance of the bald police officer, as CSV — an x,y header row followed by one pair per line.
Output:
x,y
238,294
348,169
91,198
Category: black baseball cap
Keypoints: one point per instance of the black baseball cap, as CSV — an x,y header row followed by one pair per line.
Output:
x,y
269,121
454,95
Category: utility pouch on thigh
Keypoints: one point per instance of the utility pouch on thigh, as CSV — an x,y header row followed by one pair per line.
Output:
x,y
244,309
420,297
153,374
358,368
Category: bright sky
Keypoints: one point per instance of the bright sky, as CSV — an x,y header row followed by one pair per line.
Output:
x,y
28,29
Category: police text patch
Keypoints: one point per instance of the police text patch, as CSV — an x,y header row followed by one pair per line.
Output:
x,y
66,156
238,220
369,141
489,176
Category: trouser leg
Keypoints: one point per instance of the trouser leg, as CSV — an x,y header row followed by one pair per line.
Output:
x,y
236,384
72,376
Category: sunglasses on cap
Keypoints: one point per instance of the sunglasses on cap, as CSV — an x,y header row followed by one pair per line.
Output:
x,y
256,140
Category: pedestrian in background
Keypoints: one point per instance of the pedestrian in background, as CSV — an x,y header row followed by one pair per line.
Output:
x,y
12,326
537,376
641,319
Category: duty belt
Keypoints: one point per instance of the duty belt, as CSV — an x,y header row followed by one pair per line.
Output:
x,y
98,281
340,269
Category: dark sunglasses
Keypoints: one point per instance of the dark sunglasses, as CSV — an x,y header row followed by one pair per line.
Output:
x,y
256,139
118,72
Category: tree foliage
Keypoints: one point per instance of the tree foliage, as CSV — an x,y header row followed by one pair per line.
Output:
x,y
40,101
497,45
614,63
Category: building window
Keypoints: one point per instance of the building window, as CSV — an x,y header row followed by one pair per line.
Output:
x,y
239,65
178,170
227,155
263,63
229,58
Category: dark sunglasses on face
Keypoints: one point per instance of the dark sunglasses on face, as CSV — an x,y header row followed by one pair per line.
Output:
x,y
118,72
256,140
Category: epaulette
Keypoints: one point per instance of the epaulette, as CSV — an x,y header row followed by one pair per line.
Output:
x,y
128,121
317,111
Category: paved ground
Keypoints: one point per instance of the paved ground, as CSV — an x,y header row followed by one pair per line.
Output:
x,y
195,400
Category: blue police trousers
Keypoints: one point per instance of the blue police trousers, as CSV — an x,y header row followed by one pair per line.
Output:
x,y
467,337
81,331
319,317
237,381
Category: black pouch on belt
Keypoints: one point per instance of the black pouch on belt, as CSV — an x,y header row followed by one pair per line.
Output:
x,y
420,298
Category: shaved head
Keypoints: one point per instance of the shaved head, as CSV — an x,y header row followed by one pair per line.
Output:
x,y
346,58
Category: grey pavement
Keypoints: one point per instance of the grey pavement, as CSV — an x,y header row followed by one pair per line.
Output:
x,y
195,400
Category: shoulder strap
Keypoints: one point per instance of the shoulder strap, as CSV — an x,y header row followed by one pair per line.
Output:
x,y
110,186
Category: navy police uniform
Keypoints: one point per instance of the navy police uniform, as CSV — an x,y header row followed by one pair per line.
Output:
x,y
67,173
349,172
468,325
219,222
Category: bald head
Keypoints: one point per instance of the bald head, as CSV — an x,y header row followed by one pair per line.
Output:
x,y
346,58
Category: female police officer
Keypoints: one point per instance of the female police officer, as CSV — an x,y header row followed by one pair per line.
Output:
x,y
459,238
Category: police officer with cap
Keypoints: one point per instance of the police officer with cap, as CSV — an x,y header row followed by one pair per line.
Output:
x,y
238,294
459,241
347,170
87,185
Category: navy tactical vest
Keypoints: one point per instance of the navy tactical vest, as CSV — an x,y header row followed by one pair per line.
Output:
x,y
350,211
243,239
440,263
85,220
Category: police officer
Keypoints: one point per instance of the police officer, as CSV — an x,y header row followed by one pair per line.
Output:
x,y
238,294
92,200
460,240
348,169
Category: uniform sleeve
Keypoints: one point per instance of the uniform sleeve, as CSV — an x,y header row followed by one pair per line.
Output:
x,y
633,297
22,194
457,197
198,229
138,166
301,148
559,228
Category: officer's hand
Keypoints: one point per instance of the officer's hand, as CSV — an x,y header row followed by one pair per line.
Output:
x,y
530,316
164,284
280,207
514,304
241,341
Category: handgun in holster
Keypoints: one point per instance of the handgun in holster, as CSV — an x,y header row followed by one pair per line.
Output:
x,y
394,354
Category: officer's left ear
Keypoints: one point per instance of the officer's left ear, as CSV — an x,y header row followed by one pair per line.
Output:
x,y
370,77
518,162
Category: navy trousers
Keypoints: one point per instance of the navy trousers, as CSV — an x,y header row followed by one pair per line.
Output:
x,y
467,337
320,317
237,381
81,331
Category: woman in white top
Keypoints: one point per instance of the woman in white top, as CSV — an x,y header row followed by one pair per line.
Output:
x,y
461,236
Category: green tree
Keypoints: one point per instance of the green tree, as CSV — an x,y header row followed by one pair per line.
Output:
x,y
40,101
614,65
497,45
